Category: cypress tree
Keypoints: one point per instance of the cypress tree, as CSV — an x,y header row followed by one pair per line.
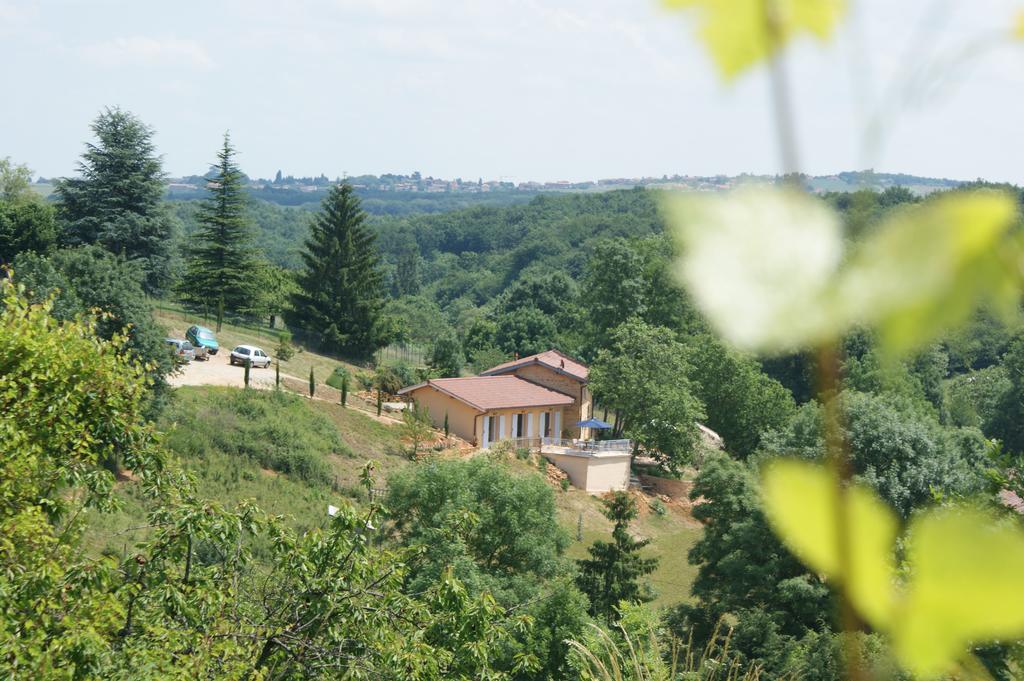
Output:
x,y
344,389
380,400
277,374
222,262
614,569
248,366
117,200
312,383
341,296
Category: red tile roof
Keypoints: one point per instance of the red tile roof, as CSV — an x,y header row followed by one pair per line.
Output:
x,y
485,393
553,359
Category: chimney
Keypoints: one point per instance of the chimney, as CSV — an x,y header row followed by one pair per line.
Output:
x,y
562,364
515,355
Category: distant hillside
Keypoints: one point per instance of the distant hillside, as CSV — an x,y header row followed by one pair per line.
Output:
x,y
407,194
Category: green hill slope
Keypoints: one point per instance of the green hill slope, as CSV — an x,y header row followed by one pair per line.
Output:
x,y
293,456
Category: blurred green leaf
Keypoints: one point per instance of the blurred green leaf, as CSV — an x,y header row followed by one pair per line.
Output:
x,y
927,267
760,261
766,267
801,501
966,586
740,33
1018,31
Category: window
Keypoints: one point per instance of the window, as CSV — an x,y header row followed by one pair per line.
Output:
x,y
242,351
546,423
519,425
492,429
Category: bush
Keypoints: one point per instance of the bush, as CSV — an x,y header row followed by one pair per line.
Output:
x,y
658,507
274,429
393,376
336,377
565,484
365,380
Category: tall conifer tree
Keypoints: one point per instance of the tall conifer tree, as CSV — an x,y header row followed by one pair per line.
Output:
x,y
117,200
615,569
341,294
222,265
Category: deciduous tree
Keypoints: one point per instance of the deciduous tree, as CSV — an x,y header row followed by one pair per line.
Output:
x,y
643,377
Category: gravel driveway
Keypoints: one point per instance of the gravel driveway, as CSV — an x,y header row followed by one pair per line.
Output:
x,y
218,371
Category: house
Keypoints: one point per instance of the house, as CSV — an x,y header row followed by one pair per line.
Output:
x,y
540,396
536,400
560,372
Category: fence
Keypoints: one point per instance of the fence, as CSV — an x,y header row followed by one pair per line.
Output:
x,y
590,446
595,446
414,355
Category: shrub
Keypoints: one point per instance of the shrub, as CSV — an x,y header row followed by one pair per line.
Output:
x,y
564,484
366,380
337,377
393,376
659,507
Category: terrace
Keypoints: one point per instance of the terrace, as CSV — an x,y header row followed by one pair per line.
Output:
x,y
592,465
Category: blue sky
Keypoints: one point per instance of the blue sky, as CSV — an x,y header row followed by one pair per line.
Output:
x,y
516,89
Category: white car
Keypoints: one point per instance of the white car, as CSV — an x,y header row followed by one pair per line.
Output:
x,y
249,353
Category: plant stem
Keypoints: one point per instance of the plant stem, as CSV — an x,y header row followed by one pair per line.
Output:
x,y
837,452
781,96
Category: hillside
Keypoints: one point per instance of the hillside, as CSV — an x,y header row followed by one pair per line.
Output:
x,y
292,456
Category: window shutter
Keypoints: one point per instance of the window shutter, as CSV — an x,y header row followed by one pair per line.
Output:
x,y
558,424
529,424
487,425
501,428
515,426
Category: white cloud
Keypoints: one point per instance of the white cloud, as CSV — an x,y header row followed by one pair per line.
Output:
x,y
149,52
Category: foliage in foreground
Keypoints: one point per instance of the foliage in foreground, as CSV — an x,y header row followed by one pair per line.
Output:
x,y
189,601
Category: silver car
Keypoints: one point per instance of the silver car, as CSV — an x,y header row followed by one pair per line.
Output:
x,y
182,349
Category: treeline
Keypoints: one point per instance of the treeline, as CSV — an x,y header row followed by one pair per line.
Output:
x,y
116,205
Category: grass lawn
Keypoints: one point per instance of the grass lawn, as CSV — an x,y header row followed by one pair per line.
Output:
x,y
671,536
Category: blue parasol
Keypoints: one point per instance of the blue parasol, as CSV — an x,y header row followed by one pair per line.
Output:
x,y
594,423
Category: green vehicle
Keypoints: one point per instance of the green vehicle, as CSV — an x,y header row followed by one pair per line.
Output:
x,y
200,336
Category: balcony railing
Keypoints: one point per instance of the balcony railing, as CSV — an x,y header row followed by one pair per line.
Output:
x,y
577,446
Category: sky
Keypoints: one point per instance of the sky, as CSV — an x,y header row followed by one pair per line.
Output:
x,y
518,90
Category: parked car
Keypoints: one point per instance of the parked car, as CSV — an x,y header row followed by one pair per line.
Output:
x,y
202,337
182,349
251,353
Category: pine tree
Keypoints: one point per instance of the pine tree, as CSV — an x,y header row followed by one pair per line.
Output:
x,y
614,570
222,263
117,200
341,294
